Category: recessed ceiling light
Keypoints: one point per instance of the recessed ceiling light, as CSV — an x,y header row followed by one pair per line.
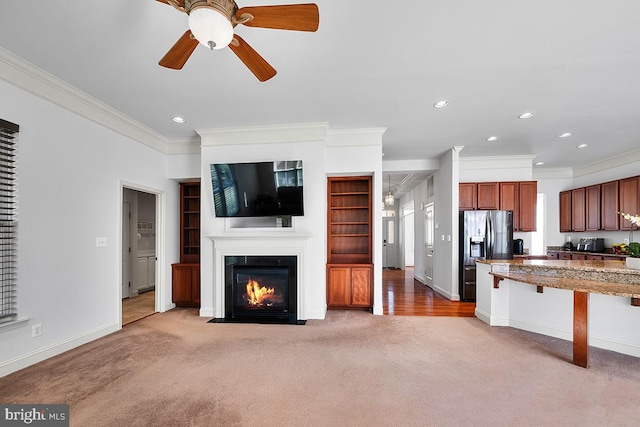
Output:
x,y
178,119
565,135
492,138
525,115
441,104
539,163
582,146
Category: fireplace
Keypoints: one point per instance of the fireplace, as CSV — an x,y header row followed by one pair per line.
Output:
x,y
261,289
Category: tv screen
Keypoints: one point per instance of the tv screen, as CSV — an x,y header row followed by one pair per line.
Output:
x,y
257,189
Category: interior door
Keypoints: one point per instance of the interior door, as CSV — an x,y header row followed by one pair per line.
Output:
x,y
126,249
429,241
389,242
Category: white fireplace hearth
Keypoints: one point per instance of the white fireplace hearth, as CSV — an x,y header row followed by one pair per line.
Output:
x,y
265,243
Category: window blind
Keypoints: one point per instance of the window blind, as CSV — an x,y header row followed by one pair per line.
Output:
x,y
8,219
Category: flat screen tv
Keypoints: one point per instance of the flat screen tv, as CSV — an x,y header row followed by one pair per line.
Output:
x,y
257,189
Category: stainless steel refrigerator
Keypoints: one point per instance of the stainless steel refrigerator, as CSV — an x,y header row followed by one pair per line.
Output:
x,y
483,234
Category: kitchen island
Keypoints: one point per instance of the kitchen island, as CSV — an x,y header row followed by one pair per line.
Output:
x,y
537,295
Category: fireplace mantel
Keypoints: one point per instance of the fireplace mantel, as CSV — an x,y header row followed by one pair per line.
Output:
x,y
256,243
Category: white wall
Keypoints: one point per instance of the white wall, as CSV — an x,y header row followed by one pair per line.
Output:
x,y
323,153
70,191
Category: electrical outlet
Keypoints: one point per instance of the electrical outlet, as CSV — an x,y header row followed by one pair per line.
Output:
x,y
626,241
36,330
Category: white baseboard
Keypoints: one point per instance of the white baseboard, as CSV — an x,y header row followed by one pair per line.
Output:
x,y
45,353
599,342
206,312
491,321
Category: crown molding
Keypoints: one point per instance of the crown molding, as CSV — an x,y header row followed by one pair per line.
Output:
x,y
354,137
552,173
497,162
632,156
27,76
268,134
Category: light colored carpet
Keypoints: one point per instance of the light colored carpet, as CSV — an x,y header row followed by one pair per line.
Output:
x,y
352,369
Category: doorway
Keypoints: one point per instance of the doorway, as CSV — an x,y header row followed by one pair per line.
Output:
x,y
389,241
429,233
139,255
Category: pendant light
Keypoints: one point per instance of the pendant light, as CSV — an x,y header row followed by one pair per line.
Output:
x,y
389,199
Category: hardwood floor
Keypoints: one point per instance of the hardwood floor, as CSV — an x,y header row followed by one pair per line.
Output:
x,y
139,307
402,295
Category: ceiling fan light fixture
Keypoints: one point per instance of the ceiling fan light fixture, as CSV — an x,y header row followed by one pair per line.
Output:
x,y
211,26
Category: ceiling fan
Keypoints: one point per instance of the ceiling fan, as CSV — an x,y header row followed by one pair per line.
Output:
x,y
211,23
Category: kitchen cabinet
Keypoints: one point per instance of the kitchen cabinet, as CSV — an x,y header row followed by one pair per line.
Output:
x,y
629,201
350,286
609,206
565,211
145,278
564,255
349,242
488,195
510,200
521,198
553,255
594,257
467,196
527,205
578,209
592,208
579,256
185,284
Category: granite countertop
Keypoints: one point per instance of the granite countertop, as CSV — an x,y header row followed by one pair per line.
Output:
x,y
603,277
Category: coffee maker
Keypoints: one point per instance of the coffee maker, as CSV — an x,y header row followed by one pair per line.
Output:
x,y
568,246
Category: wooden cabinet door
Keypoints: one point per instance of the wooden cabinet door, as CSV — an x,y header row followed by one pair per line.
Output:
x,y
564,255
609,206
181,287
594,257
338,285
579,256
577,209
509,201
565,211
488,195
361,286
195,285
628,201
527,205
467,198
553,255
592,207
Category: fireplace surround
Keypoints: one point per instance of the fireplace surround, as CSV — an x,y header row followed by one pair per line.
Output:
x,y
251,245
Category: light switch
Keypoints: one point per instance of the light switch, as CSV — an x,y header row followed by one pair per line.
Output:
x,y
101,242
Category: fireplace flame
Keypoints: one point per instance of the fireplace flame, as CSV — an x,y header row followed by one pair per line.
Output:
x,y
261,295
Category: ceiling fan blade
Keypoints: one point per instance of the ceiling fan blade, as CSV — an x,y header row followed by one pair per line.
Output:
x,y
252,59
298,17
180,3
177,56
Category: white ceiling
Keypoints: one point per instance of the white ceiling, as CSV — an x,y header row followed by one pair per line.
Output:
x,y
372,63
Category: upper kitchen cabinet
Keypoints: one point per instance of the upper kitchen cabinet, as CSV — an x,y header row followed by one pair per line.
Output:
x,y
521,198
488,196
565,211
609,206
578,209
467,196
527,205
629,200
592,207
